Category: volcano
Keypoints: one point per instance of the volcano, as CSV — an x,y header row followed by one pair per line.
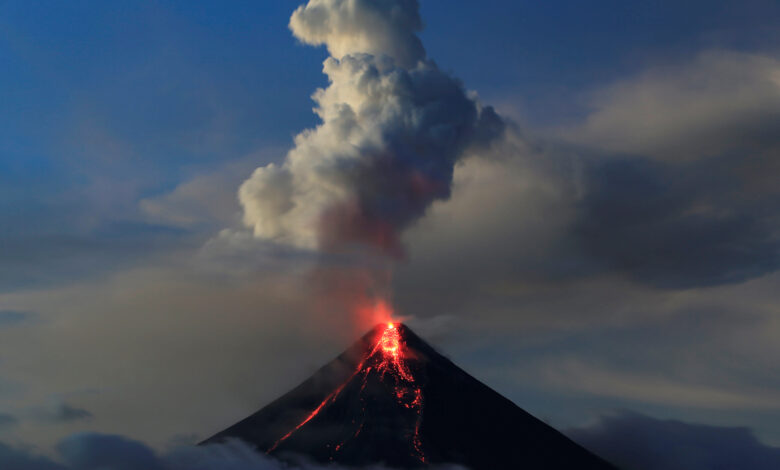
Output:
x,y
392,399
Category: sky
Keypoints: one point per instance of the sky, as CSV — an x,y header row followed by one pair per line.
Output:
x,y
599,242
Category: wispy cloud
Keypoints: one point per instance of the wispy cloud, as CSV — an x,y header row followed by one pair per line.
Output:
x,y
61,412
7,421
14,317
576,376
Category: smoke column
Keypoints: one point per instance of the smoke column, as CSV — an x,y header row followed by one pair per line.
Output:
x,y
393,127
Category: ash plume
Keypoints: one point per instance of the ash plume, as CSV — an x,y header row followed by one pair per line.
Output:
x,y
393,127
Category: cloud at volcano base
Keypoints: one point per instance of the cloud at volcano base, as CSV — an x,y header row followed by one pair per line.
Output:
x,y
631,440
93,451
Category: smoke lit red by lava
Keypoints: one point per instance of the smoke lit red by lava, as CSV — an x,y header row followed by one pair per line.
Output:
x,y
378,311
389,358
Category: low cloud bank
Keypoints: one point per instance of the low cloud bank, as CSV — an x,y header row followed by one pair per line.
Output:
x,y
631,441
636,442
91,451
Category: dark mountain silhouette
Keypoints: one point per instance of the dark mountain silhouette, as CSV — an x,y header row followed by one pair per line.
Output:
x,y
391,398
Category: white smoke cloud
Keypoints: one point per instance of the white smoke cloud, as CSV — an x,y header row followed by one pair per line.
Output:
x,y
378,27
393,127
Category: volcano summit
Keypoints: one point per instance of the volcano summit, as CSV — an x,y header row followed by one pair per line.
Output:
x,y
391,398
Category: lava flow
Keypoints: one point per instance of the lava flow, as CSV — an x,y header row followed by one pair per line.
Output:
x,y
388,358
393,360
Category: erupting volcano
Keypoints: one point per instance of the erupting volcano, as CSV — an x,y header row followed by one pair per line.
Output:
x,y
392,399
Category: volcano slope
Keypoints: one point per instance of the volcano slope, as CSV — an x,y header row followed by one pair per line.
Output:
x,y
392,399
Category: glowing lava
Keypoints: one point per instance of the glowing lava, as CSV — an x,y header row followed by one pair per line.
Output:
x,y
393,360
389,358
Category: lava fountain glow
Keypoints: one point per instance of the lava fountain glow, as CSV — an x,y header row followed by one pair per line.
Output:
x,y
368,312
389,358
390,340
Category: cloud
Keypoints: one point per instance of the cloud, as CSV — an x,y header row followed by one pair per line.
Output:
x,y
630,440
13,317
719,101
206,201
669,175
194,202
7,421
92,451
537,209
96,451
21,459
386,27
575,375
676,186
66,413
676,227
198,323
393,127
636,442
62,413
10,388
40,260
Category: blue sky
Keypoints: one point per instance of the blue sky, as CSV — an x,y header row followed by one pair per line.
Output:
x,y
611,238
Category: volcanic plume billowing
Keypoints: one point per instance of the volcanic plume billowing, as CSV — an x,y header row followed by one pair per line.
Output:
x,y
393,127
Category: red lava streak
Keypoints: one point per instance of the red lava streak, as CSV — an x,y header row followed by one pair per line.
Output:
x,y
389,358
393,360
